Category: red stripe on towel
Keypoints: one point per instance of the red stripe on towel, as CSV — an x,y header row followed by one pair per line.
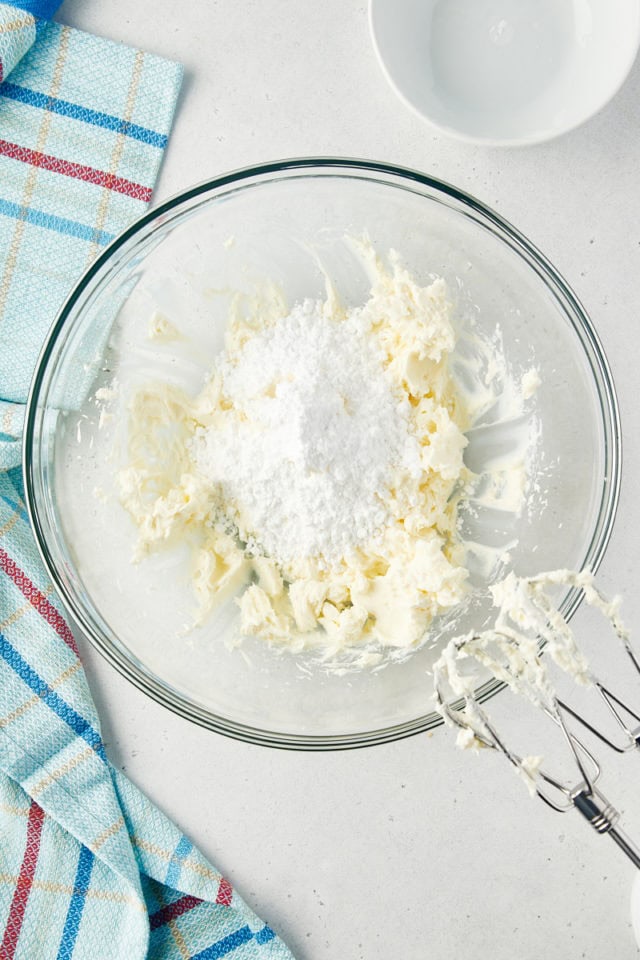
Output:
x,y
24,884
225,893
173,911
76,170
38,600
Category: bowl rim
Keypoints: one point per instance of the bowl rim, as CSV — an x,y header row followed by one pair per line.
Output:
x,y
149,683
523,141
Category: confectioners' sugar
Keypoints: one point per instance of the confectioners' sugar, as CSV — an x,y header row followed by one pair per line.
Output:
x,y
316,435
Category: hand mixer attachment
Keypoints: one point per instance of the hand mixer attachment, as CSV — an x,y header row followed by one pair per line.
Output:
x,y
512,654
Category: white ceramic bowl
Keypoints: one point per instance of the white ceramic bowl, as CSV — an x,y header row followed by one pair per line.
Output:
x,y
506,72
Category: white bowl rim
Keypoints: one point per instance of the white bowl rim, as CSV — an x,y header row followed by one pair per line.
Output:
x,y
523,141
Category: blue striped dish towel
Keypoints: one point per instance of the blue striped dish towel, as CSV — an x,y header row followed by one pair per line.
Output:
x,y
89,868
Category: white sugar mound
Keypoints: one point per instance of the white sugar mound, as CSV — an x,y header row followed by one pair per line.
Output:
x,y
311,439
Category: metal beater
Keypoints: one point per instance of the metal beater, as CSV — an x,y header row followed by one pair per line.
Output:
x,y
468,715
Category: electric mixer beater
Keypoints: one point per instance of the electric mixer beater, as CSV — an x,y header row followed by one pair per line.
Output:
x,y
527,623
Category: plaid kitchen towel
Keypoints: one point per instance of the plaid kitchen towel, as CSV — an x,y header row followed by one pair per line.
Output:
x,y
89,868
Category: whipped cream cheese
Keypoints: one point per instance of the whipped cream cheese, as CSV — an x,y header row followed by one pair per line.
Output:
x,y
318,472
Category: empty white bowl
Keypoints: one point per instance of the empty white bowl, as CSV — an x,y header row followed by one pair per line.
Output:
x,y
506,72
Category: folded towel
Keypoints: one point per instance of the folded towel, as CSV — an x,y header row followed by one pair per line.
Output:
x,y
89,868
17,35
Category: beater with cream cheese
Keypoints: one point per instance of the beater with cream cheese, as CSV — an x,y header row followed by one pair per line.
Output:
x,y
511,652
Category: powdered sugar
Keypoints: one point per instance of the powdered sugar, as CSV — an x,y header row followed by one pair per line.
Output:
x,y
310,436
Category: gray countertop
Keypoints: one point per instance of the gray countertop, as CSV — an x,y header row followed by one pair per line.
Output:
x,y
409,850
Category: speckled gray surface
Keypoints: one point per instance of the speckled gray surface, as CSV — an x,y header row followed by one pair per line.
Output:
x,y
409,850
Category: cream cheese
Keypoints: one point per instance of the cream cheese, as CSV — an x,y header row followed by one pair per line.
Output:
x,y
390,578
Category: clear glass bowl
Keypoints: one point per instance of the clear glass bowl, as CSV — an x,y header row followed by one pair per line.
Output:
x,y
282,221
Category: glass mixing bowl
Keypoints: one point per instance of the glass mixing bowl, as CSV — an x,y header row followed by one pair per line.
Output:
x,y
287,221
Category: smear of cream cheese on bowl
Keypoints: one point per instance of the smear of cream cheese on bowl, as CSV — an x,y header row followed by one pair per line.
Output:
x,y
335,469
